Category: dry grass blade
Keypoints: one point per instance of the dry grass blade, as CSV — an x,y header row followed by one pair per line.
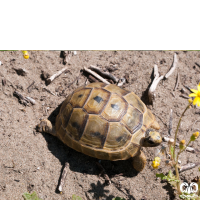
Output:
x,y
63,177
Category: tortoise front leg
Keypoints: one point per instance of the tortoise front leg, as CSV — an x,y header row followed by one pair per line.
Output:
x,y
139,161
46,126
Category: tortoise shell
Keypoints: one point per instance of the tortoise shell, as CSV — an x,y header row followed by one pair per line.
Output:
x,y
104,121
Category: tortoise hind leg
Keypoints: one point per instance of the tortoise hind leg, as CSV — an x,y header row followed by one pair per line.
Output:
x,y
46,126
139,161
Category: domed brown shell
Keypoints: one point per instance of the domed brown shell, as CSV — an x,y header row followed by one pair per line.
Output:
x,y
104,121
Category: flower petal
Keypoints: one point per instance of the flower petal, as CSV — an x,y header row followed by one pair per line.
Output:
x,y
198,103
198,86
193,90
195,101
192,95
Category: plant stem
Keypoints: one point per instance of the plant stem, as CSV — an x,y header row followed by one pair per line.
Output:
x,y
178,128
176,161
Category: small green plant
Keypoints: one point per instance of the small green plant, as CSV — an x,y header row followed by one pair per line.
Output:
x,y
33,196
75,197
175,180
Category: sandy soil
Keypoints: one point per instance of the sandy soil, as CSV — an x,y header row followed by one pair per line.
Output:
x,y
31,161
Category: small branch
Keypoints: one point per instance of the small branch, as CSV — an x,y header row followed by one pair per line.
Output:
x,y
96,75
49,80
49,91
104,74
184,96
63,177
177,81
187,88
31,100
154,84
170,122
23,100
188,166
174,65
104,174
29,88
189,149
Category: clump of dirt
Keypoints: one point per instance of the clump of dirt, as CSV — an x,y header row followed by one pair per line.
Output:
x,y
31,161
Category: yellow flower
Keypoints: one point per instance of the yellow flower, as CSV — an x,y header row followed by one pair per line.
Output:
x,y
196,94
194,136
156,162
26,55
182,144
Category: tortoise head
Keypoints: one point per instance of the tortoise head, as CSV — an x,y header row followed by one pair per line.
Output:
x,y
152,139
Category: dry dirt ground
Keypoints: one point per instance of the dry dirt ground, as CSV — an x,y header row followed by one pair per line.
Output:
x,y
32,161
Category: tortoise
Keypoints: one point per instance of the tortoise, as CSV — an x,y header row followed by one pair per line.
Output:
x,y
106,122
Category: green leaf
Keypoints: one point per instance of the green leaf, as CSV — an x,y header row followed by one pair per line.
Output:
x,y
33,196
75,197
161,176
118,198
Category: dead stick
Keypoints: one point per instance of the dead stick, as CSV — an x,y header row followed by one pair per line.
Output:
x,y
187,88
104,74
189,149
177,81
96,75
154,84
49,91
188,166
170,122
30,86
174,65
63,177
31,100
103,172
49,80
184,96
24,100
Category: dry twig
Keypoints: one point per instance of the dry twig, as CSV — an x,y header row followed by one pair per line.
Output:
x,y
24,100
154,84
177,81
49,80
63,177
29,88
49,91
104,74
187,88
170,122
96,75
188,166
174,65
189,149
184,96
